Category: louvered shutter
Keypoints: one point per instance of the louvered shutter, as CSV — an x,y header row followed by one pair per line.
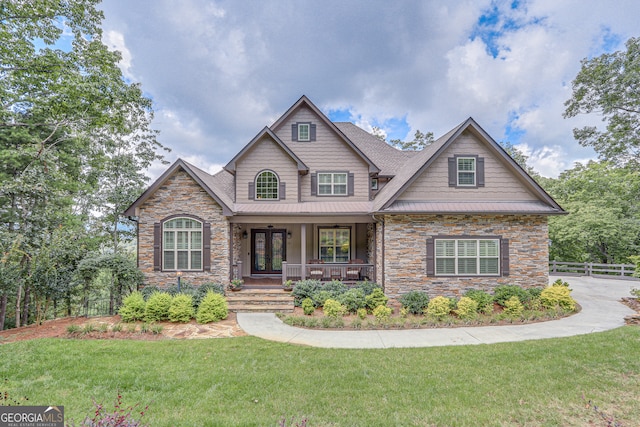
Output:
x,y
206,246
504,257
312,132
294,132
282,191
350,184
157,246
453,172
480,171
314,184
431,262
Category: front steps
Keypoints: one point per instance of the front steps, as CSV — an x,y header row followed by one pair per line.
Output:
x,y
260,301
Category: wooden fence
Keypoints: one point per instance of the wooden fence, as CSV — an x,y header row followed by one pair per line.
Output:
x,y
611,271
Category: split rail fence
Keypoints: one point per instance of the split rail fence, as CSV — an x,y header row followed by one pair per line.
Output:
x,y
610,271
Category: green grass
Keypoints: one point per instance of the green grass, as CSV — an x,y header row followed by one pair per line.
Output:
x,y
250,382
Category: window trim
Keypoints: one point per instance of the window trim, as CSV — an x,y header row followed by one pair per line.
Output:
x,y
474,171
203,244
333,184
334,228
306,125
255,186
502,257
454,172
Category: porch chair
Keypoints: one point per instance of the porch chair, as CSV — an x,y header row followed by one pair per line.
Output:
x,y
316,273
353,272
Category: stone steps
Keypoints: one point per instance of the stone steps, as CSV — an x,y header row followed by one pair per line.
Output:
x,y
260,301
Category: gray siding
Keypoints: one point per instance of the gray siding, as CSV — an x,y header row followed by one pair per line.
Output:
x,y
327,153
500,183
266,154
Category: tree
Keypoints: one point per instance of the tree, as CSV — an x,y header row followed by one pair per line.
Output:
x,y
420,141
520,158
610,85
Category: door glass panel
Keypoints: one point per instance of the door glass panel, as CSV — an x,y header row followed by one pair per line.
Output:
x,y
260,251
277,238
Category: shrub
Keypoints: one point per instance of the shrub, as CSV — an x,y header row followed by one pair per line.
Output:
x,y
185,288
212,308
133,307
376,298
305,289
439,307
320,297
203,289
121,415
308,307
635,292
335,287
560,282
157,307
534,293
513,307
333,308
362,313
502,293
353,299
181,309
558,295
367,287
73,329
482,298
382,313
467,309
415,301
147,291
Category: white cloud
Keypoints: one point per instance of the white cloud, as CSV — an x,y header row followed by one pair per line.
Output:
x,y
115,41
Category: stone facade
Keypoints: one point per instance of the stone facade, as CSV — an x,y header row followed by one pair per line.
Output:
x,y
405,249
182,195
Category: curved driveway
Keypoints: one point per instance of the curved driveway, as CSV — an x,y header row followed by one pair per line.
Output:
x,y
599,298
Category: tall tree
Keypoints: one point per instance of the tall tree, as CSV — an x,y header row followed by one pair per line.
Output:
x,y
610,86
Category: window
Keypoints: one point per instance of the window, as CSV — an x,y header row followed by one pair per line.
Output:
x,y
466,171
182,244
332,184
334,244
267,186
304,132
467,257
374,183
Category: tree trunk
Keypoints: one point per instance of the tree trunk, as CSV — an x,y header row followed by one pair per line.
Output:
x,y
18,304
25,310
3,311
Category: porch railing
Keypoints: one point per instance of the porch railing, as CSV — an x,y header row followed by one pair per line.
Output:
x,y
326,272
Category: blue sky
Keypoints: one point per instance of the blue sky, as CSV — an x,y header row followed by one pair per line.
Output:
x,y
219,71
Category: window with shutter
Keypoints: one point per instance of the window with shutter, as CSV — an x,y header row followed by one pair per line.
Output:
x,y
484,256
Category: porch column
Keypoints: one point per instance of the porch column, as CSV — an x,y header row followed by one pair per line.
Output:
x,y
303,251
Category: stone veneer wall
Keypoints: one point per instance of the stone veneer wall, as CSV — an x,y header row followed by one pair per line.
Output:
x,y
405,250
182,195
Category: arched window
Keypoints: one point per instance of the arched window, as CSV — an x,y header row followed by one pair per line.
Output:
x,y
182,244
267,186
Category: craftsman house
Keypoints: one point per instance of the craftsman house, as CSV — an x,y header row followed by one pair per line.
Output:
x,y
309,198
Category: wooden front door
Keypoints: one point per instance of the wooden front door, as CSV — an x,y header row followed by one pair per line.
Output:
x,y
268,249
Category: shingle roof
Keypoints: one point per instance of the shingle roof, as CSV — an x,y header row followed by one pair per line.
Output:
x,y
444,207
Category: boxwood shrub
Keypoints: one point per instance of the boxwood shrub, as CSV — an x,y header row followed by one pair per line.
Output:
x,y
415,302
212,308
133,307
181,309
376,298
305,289
503,292
482,298
157,307
353,299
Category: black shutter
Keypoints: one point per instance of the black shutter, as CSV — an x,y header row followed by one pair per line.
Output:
x,y
453,172
314,184
480,172
312,132
206,246
350,184
157,247
504,256
431,261
294,132
252,191
282,191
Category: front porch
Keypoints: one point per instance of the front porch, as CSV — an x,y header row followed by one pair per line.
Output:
x,y
295,249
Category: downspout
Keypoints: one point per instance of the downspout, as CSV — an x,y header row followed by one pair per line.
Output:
x,y
381,222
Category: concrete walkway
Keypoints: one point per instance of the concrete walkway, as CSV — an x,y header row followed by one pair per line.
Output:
x,y
599,298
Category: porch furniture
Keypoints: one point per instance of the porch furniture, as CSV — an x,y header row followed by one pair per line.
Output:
x,y
316,272
336,273
353,272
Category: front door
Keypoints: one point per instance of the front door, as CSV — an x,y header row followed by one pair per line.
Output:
x,y
268,247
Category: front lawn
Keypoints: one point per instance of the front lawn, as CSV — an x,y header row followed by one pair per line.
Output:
x,y
250,382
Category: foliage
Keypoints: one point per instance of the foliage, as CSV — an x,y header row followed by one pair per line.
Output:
x,y
305,289
415,301
204,289
376,298
321,296
636,260
513,307
439,307
467,308
483,299
120,416
212,308
362,313
635,292
236,284
382,313
133,307
157,307
419,142
335,287
602,86
149,290
503,292
181,309
367,286
558,296
308,307
353,299
333,308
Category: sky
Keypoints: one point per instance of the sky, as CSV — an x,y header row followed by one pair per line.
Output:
x,y
219,71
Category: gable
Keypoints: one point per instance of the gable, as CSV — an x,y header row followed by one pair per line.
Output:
x,y
500,183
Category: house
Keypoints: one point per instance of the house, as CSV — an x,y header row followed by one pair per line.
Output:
x,y
309,198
